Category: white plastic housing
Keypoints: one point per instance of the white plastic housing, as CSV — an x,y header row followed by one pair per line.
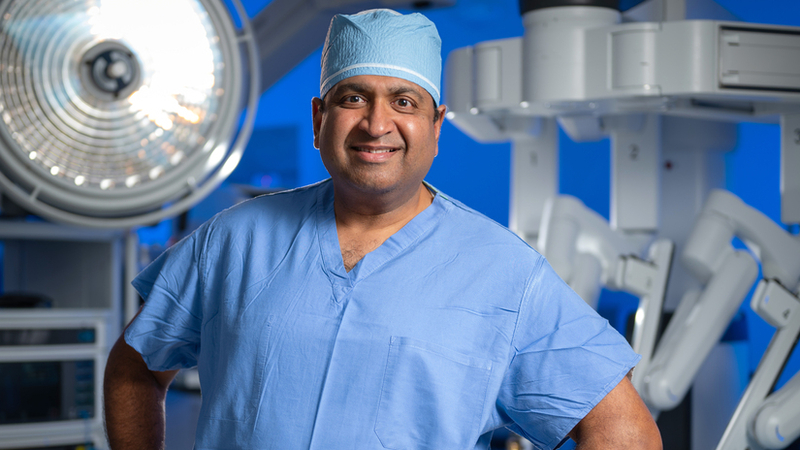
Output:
x,y
707,246
778,251
579,61
763,419
556,53
570,229
777,423
790,167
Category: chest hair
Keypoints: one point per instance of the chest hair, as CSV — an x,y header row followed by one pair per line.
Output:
x,y
353,250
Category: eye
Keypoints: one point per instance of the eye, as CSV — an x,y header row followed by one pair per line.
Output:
x,y
404,103
353,99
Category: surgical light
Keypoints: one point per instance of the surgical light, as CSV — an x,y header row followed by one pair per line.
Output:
x,y
117,113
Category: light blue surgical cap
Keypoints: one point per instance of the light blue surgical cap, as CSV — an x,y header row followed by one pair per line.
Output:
x,y
382,42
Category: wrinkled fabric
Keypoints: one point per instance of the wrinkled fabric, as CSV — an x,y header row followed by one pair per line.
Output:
x,y
452,328
382,42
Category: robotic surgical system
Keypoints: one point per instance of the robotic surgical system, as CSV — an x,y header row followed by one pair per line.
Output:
x,y
667,81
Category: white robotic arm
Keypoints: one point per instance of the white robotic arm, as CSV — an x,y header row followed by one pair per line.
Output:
x,y
582,248
776,422
701,318
763,420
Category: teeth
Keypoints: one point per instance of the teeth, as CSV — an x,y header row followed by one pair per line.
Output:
x,y
375,151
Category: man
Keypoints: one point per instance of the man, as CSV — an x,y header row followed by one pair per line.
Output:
x,y
369,310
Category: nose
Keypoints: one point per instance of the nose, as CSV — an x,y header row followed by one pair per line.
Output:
x,y
377,120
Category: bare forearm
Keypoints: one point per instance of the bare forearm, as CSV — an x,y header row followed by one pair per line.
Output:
x,y
133,400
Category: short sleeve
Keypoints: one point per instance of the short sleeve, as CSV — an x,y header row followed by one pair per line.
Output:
x,y
167,330
566,359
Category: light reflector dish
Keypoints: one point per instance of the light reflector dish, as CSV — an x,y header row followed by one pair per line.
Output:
x,y
112,109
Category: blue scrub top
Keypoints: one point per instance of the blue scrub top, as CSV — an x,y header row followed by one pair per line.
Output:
x,y
452,328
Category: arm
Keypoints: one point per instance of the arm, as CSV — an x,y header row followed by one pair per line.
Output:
x,y
620,421
134,400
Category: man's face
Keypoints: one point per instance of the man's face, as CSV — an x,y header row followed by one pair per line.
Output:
x,y
377,134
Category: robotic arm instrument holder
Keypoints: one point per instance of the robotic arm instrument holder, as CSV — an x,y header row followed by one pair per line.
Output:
x,y
776,423
586,252
763,420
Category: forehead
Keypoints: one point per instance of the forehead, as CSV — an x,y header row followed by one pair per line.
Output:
x,y
379,84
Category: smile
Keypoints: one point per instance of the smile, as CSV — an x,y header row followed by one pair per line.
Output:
x,y
367,150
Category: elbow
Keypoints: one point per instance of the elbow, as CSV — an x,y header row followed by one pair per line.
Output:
x,y
648,438
641,434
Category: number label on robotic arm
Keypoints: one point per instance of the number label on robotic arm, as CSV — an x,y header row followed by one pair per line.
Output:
x,y
774,303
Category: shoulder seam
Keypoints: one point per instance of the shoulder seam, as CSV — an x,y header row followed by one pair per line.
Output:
x,y
202,263
522,303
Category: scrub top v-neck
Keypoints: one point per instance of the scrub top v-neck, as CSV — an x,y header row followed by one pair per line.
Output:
x,y
389,249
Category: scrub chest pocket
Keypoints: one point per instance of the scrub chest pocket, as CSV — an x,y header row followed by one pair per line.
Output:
x,y
432,397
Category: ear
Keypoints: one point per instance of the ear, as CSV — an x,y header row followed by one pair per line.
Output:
x,y
438,126
316,118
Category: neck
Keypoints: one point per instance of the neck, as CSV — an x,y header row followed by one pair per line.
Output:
x,y
365,212
362,226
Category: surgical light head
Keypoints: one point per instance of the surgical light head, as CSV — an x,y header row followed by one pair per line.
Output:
x,y
105,122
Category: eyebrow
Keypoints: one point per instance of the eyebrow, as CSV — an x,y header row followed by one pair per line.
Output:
x,y
406,90
348,87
